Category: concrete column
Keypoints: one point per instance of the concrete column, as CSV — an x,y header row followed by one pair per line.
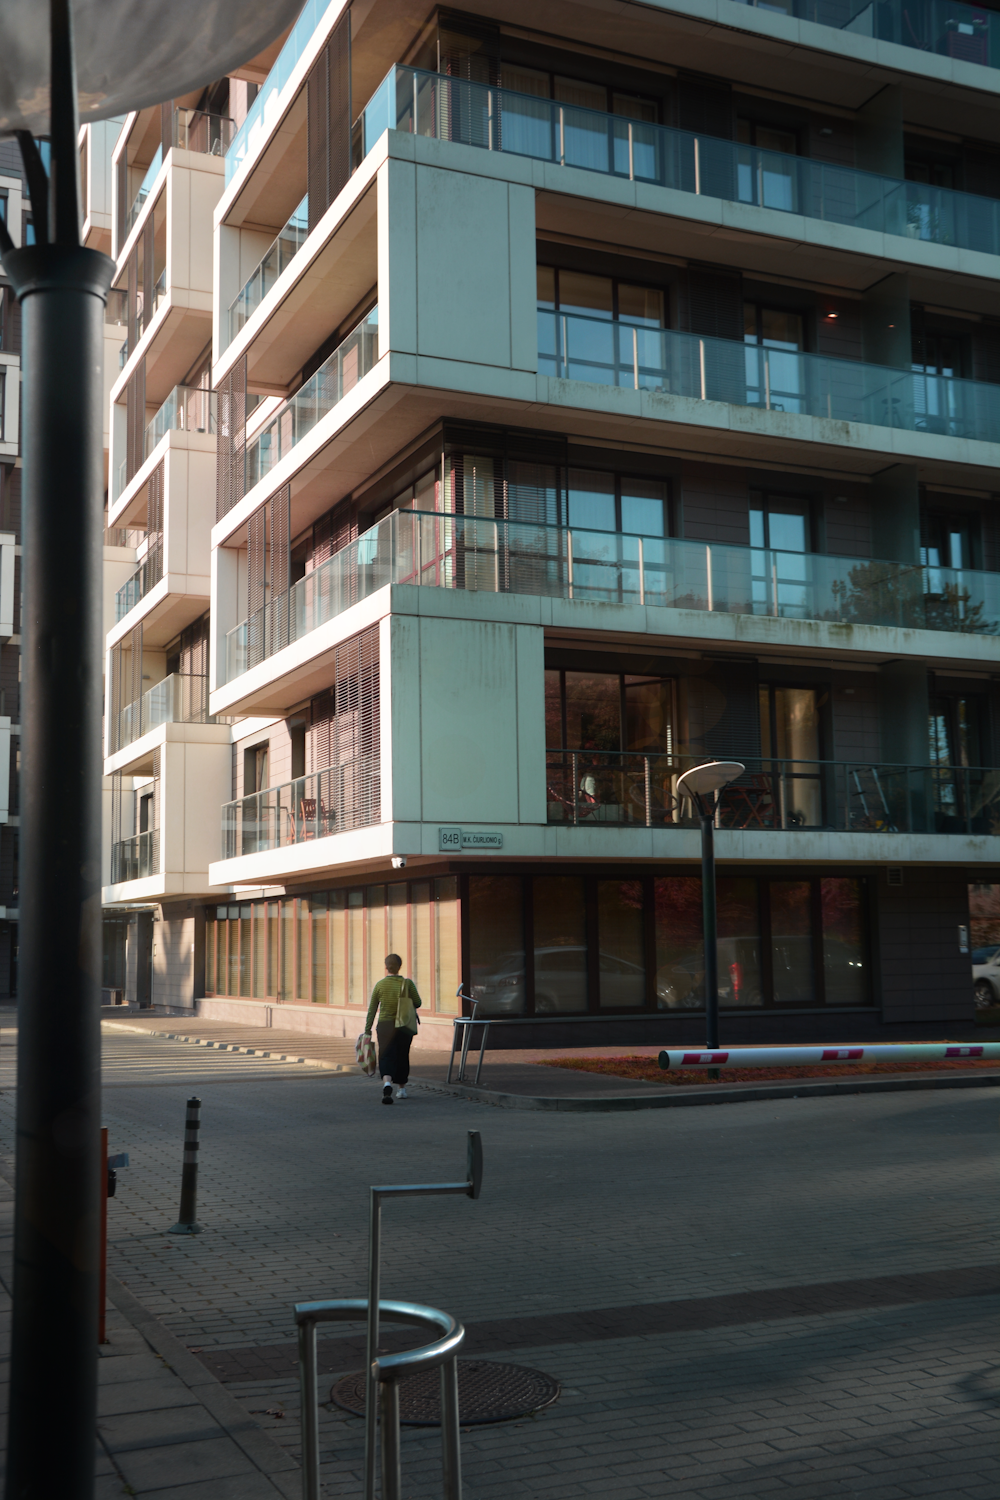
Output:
x,y
879,134
885,322
895,502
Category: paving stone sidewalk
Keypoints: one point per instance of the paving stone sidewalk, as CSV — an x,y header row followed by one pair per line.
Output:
x,y
167,1428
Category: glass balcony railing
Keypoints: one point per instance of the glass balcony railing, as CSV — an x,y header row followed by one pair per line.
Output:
x,y
177,699
968,33
279,255
311,807
143,581
188,408
603,352
193,130
136,858
145,187
264,109
496,556
637,789
334,379
497,120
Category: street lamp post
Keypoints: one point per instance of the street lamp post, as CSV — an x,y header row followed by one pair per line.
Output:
x,y
700,784
149,54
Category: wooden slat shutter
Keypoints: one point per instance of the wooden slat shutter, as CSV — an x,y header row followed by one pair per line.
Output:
x,y
356,729
715,305
328,121
135,421
232,420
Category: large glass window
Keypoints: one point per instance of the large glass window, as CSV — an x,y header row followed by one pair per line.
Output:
x,y
793,975
621,944
496,944
845,949
447,945
739,943
560,944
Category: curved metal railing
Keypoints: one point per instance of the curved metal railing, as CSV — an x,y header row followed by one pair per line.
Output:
x,y
386,1371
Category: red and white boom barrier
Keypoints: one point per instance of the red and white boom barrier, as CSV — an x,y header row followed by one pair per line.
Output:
x,y
811,1057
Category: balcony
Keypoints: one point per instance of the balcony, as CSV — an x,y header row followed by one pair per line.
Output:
x,y
279,254
968,33
496,556
264,110
193,130
143,581
177,699
601,351
136,858
443,108
326,802
188,408
334,379
634,789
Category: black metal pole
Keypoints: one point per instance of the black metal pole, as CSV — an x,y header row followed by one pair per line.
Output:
x,y
187,1219
710,926
62,289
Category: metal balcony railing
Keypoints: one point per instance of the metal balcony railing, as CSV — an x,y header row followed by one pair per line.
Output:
x,y
145,578
136,858
177,699
453,109
193,130
310,807
337,376
968,33
602,351
279,254
639,789
515,557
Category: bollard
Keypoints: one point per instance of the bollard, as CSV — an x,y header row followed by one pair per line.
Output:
x,y
187,1222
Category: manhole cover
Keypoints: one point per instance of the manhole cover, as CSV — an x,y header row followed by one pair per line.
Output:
x,y
487,1392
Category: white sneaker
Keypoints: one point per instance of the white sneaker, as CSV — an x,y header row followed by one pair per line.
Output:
x,y
401,1094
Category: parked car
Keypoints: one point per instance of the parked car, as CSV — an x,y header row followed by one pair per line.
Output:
x,y
560,983
986,975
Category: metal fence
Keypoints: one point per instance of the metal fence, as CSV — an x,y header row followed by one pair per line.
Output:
x,y
324,802
639,789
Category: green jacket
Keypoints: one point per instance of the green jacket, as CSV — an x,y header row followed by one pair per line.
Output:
x,y
396,999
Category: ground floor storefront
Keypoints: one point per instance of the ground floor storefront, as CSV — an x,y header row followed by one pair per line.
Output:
x,y
587,954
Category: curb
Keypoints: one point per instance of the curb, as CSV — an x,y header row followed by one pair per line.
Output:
x,y
266,1456
679,1098
198,1041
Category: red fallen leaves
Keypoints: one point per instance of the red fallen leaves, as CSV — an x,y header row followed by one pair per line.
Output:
x,y
649,1069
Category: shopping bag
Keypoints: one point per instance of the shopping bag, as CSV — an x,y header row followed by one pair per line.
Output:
x,y
364,1051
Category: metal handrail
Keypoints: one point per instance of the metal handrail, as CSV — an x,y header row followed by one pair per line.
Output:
x,y
386,1372
468,1022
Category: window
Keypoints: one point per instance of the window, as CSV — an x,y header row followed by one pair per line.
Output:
x,y
774,340
780,527
767,175
600,329
949,541
790,733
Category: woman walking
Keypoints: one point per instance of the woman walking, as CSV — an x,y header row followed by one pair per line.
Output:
x,y
397,1002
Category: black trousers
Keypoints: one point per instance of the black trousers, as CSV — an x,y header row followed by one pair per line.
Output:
x,y
393,1052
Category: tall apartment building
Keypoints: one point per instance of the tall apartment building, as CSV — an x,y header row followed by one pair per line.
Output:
x,y
516,407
